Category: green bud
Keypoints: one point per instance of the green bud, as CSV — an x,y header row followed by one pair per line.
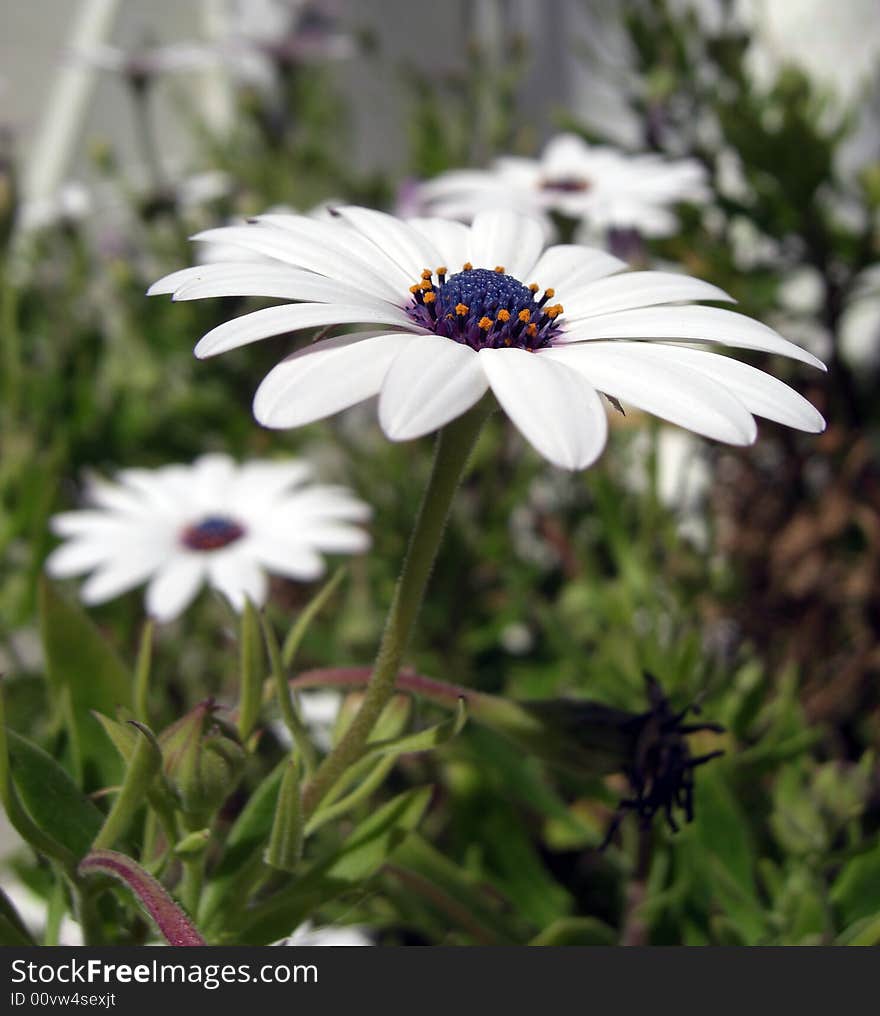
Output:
x,y
203,761
193,844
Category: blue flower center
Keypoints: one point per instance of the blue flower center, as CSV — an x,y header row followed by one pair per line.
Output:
x,y
211,533
485,309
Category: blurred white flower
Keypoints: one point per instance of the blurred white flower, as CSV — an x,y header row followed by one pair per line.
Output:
x,y
308,934
860,323
214,522
262,36
440,338
602,188
141,64
70,204
319,711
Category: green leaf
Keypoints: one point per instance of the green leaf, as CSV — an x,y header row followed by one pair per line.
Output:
x,y
251,671
576,931
864,932
422,740
856,890
85,674
13,930
243,852
452,890
286,838
143,766
54,802
359,858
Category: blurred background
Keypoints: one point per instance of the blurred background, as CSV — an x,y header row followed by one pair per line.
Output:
x,y
747,579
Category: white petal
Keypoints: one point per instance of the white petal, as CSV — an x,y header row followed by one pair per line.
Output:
x,y
554,407
321,380
503,237
238,577
432,381
124,572
96,524
260,482
173,587
450,238
76,557
761,393
567,266
316,247
277,282
667,390
637,289
293,560
336,537
262,324
411,250
702,324
363,263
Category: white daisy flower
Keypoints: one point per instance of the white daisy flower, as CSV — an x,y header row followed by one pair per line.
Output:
x,y
214,522
453,311
603,188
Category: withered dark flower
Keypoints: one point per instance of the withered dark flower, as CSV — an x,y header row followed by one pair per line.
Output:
x,y
661,772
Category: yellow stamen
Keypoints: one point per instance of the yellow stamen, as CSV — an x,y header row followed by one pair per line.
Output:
x,y
442,270
504,316
549,293
461,309
525,315
467,266
414,289
430,297
554,311
534,287
499,269
532,331
485,323
426,273
427,284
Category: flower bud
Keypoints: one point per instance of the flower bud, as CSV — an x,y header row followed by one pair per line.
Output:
x,y
203,761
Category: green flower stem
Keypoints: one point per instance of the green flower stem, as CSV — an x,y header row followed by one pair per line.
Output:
x,y
142,673
454,445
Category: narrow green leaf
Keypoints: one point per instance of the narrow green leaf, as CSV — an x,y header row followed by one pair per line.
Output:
x,y
242,859
576,931
286,839
422,740
313,608
13,930
84,674
142,672
863,932
453,891
251,672
359,858
286,703
144,764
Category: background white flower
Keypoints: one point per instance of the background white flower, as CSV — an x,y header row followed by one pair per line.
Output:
x,y
307,934
214,522
603,188
442,336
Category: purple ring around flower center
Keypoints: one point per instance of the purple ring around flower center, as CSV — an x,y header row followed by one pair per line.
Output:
x,y
485,309
211,533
